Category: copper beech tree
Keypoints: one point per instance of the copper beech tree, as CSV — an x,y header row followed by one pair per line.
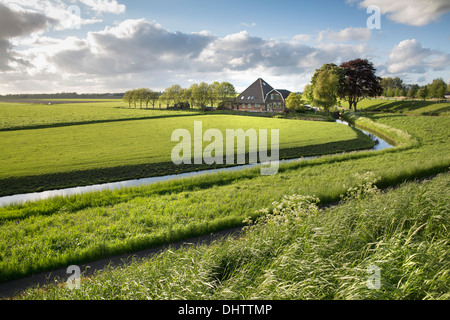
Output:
x,y
360,82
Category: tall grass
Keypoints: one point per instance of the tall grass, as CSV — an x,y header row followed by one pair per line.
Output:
x,y
298,251
400,138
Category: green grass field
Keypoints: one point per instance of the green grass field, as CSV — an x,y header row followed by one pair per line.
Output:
x,y
83,154
15,116
300,252
407,107
55,233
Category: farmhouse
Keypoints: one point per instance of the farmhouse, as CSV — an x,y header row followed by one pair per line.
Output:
x,y
262,97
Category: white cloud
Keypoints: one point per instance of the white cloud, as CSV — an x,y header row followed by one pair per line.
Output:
x,y
62,13
249,25
409,56
109,6
350,34
301,38
141,53
411,12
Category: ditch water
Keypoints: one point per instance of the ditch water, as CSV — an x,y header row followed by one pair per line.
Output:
x,y
380,144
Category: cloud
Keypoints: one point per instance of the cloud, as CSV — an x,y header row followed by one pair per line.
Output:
x,y
350,34
410,12
409,56
138,51
249,25
132,46
15,23
67,14
345,35
301,38
109,6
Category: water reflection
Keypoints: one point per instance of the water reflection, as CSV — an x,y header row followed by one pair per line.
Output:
x,y
380,144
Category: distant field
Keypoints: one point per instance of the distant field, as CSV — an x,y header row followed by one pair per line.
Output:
x,y
40,159
21,115
407,107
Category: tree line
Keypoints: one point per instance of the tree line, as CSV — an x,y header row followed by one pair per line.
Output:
x,y
197,95
356,80
395,87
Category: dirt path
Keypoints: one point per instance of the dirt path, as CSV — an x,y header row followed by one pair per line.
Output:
x,y
15,287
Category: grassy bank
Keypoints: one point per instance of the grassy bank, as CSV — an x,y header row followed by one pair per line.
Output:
x,y
298,251
404,107
56,233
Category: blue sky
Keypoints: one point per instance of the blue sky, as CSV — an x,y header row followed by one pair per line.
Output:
x,y
116,45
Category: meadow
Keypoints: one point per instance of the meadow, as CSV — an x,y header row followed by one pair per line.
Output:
x,y
416,107
58,157
55,233
299,251
21,115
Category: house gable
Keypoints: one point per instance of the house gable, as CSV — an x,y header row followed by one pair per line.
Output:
x,y
256,93
262,97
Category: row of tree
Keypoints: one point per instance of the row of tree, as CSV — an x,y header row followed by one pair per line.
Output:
x,y
197,95
395,87
141,96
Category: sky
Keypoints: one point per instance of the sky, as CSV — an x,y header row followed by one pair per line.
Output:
x,y
100,46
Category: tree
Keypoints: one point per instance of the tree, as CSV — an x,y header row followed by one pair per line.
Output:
x,y
326,85
294,102
387,84
225,93
174,94
412,91
128,97
437,88
389,92
398,83
212,93
423,92
201,94
308,94
139,96
191,93
153,97
164,99
360,82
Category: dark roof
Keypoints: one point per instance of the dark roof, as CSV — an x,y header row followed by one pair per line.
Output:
x,y
284,93
256,93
